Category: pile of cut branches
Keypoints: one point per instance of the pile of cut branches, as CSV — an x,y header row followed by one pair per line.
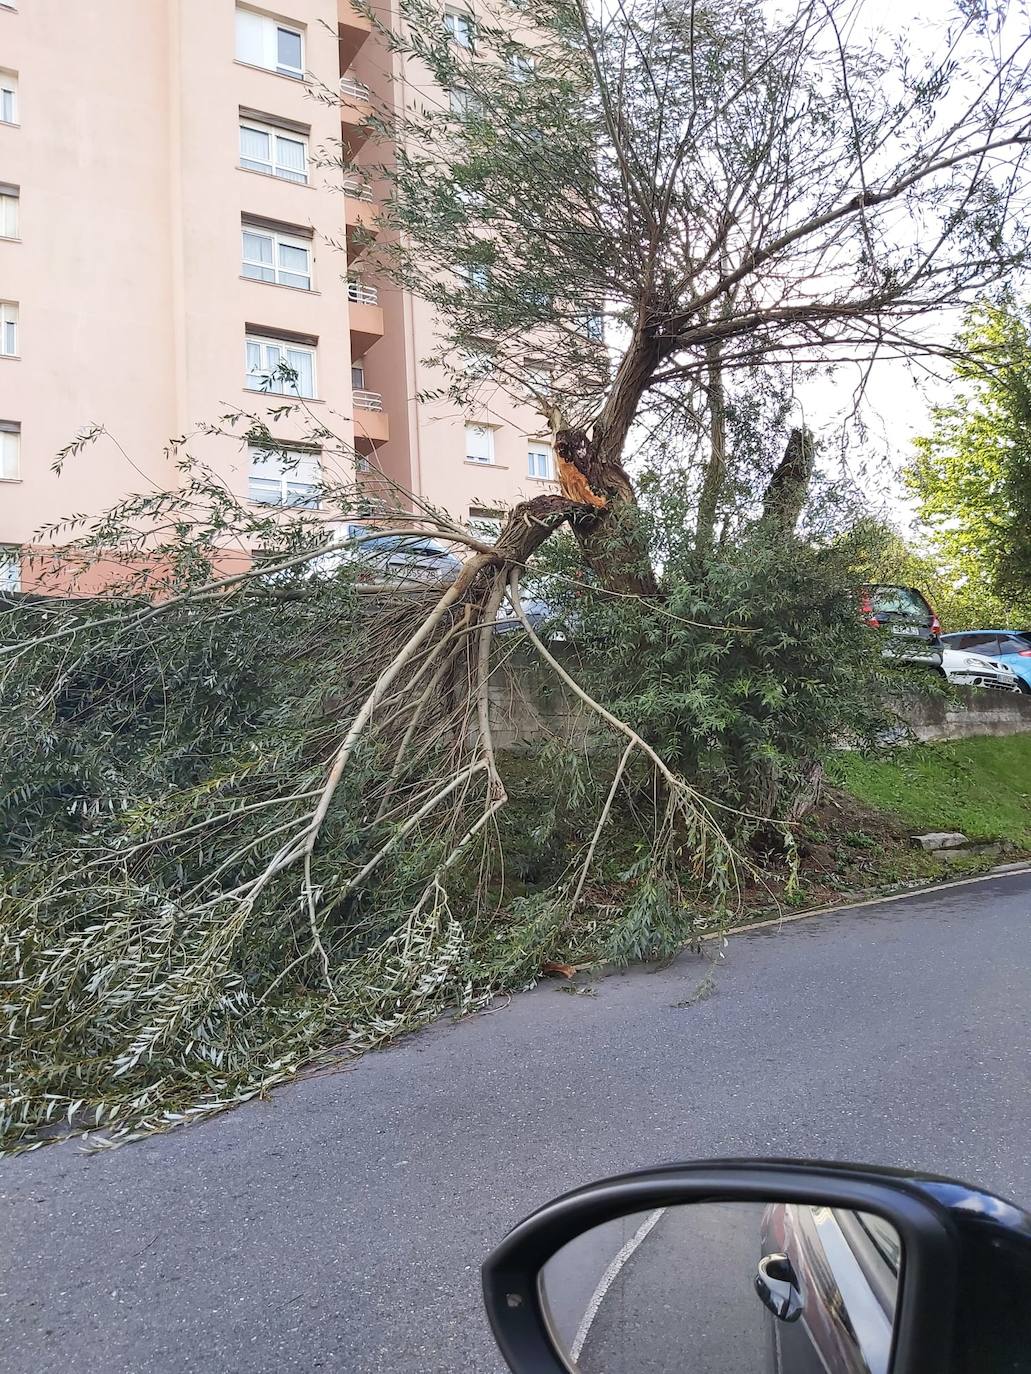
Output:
x,y
239,809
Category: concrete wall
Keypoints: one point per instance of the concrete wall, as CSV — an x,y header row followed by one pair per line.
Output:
x,y
971,712
530,704
127,266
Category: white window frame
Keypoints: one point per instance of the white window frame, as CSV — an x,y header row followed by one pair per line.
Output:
x,y
10,451
274,168
10,568
268,56
279,239
478,429
8,97
10,211
284,477
537,449
460,26
9,334
273,385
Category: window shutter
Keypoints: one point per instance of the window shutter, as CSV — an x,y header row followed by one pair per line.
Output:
x,y
478,444
252,37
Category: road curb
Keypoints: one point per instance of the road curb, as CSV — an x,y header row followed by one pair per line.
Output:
x,y
607,970
999,871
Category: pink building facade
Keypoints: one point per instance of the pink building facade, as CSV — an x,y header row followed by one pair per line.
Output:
x,y
167,237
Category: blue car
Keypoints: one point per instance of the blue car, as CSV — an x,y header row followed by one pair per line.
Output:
x,y
1010,647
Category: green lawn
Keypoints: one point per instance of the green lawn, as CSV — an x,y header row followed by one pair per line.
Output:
x,y
979,786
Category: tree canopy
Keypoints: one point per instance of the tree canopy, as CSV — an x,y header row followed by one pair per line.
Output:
x,y
972,472
619,212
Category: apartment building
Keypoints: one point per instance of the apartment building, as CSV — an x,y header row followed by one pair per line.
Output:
x,y
168,237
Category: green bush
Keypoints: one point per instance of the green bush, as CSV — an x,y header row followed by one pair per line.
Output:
x,y
746,674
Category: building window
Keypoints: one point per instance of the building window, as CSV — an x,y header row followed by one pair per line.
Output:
x,y
272,151
538,461
520,67
10,450
485,523
8,212
10,568
284,478
279,366
463,102
475,274
276,256
265,42
357,376
459,24
8,98
8,329
479,444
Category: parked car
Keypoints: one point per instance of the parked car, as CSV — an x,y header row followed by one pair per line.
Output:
x,y
830,1277
973,670
1011,648
392,558
908,620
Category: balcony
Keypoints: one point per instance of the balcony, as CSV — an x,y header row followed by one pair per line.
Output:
x,y
355,112
371,426
361,219
361,294
364,317
352,31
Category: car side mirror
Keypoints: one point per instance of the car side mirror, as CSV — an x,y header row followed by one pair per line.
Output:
x,y
739,1265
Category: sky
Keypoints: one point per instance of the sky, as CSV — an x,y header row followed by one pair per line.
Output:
x,y
898,398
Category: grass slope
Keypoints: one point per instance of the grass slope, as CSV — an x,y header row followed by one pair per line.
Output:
x,y
980,786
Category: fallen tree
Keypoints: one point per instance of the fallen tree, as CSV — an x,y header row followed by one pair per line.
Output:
x,y
235,813
253,817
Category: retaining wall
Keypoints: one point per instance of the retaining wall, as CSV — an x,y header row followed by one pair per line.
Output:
x,y
531,704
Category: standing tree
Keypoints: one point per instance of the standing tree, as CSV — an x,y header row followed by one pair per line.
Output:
x,y
621,210
972,473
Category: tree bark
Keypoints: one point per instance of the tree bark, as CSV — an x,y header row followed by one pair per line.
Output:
x,y
789,486
716,468
607,525
591,472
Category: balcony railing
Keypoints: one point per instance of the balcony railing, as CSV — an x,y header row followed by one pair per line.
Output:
x,y
361,294
368,400
350,85
357,190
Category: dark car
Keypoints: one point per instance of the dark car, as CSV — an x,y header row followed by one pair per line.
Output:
x,y
831,1278
1011,648
399,558
907,619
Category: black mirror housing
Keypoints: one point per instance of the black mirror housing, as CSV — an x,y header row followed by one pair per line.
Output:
x,y
965,1296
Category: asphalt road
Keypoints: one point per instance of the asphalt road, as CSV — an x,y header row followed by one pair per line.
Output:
x,y
683,1299
339,1226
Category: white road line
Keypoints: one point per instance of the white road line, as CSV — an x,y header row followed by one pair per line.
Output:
x,y
607,1280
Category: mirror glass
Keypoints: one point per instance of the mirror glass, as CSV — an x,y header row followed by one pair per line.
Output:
x,y
727,1288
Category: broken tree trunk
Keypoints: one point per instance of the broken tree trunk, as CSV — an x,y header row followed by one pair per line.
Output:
x,y
607,524
789,486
